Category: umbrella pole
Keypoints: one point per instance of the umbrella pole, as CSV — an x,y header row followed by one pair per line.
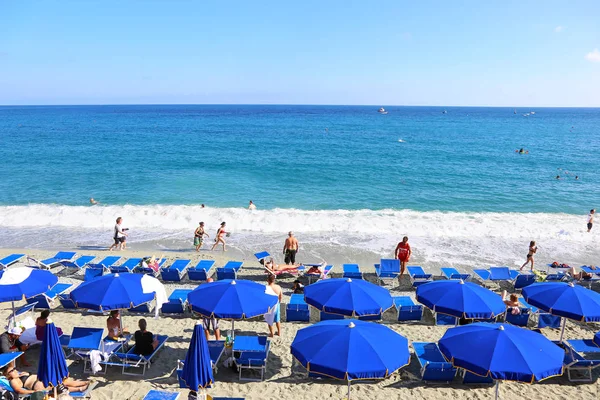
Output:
x,y
562,331
232,329
14,316
348,389
497,389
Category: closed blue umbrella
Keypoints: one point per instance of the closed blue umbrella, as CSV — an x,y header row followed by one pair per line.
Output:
x,y
350,350
461,299
345,296
52,369
22,283
231,299
197,369
565,300
502,352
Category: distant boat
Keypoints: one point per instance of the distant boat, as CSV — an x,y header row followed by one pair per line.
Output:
x,y
382,111
526,115
515,111
444,112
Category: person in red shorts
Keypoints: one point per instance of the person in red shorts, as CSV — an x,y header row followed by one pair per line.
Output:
x,y
403,254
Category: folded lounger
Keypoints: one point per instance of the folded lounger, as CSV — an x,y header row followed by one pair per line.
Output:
x,y
45,300
407,309
216,349
434,366
229,270
582,356
175,271
95,270
10,260
201,271
79,263
418,276
452,273
52,261
130,360
128,266
352,271
177,303
388,270
297,309
161,395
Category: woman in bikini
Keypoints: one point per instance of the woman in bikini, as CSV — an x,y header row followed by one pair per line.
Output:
x,y
219,238
23,383
274,268
532,251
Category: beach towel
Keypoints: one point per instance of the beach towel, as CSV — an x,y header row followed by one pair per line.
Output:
x,y
270,316
151,284
96,356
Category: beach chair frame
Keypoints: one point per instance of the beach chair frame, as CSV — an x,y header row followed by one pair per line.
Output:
x,y
253,360
130,360
387,271
418,276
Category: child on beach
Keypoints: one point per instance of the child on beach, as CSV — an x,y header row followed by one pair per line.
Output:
x,y
532,251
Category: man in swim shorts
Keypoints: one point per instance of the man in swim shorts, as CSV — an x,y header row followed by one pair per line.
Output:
x,y
290,249
590,222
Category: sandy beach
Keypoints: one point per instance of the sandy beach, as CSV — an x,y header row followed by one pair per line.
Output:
x,y
285,378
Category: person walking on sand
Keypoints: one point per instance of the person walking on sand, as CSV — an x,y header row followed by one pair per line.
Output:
x,y
219,238
403,253
532,250
119,235
590,222
290,249
274,315
199,236
251,206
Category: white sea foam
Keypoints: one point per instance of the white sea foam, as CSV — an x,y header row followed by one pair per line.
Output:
x,y
437,237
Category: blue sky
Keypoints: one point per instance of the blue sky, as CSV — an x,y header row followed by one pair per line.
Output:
x,y
509,53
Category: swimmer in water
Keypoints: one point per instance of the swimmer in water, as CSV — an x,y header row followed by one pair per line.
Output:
x,y
92,201
557,176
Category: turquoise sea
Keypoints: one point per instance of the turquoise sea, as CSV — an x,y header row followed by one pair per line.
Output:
x,y
348,179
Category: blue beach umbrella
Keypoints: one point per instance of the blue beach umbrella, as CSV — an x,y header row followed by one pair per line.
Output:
x,y
350,350
112,292
197,369
461,299
565,300
231,299
502,352
22,283
52,368
345,296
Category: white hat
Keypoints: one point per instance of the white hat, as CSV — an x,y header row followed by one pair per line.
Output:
x,y
15,331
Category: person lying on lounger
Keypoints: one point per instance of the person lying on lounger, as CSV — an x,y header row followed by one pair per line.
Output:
x,y
273,268
23,383
581,274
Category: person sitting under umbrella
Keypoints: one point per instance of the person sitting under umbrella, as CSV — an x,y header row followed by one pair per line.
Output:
x,y
9,343
113,324
145,342
40,325
512,303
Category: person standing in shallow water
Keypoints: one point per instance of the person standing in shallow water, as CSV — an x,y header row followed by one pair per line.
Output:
x,y
220,237
290,249
532,250
590,222
199,236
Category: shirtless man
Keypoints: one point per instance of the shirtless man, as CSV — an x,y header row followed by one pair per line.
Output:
x,y
591,219
290,249
275,288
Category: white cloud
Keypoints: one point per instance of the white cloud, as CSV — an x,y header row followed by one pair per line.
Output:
x,y
593,56
559,29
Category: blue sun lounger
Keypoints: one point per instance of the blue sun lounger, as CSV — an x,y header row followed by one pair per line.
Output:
x,y
177,303
7,358
352,271
407,309
521,319
297,309
66,302
418,276
79,263
94,270
229,270
582,356
499,274
161,395
128,266
388,270
84,340
10,260
251,353
176,271
201,271
589,270
434,366
52,261
130,360
452,273
45,300
263,254
545,320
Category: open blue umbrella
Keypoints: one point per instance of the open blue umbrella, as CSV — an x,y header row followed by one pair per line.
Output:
x,y
112,292
502,352
52,368
346,296
197,369
231,299
565,300
24,282
350,350
460,299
